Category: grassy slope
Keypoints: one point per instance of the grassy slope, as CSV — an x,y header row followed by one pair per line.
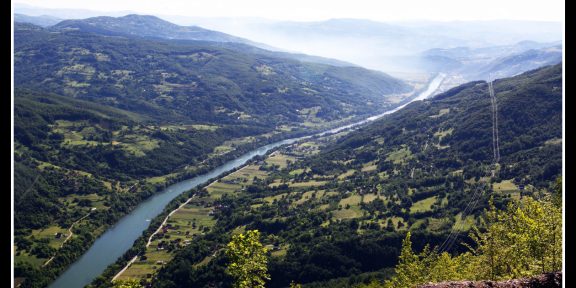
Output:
x,y
427,201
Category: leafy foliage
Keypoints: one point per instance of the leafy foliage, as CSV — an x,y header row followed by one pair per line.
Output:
x,y
127,284
248,261
523,240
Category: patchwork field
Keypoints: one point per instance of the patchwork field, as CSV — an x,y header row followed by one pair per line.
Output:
x,y
280,160
399,156
423,205
192,219
235,182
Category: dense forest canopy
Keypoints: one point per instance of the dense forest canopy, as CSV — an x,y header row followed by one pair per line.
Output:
x,y
337,213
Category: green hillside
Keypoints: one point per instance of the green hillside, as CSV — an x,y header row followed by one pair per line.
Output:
x,y
199,81
102,122
334,210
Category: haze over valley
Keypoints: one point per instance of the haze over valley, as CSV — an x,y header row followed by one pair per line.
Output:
x,y
339,145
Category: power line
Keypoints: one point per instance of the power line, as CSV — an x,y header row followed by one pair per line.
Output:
x,y
455,231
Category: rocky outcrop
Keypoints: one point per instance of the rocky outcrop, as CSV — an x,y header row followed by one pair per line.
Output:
x,y
548,280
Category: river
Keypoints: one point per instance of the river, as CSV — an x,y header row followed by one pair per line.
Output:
x,y
120,237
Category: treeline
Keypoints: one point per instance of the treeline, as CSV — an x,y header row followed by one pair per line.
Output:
x,y
523,240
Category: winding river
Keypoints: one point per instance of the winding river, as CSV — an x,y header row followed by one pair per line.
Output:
x,y
120,237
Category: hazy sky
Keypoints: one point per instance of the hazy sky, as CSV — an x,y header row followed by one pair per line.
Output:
x,y
379,10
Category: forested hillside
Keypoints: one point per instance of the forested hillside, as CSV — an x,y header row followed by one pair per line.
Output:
x,y
104,121
145,26
200,81
333,210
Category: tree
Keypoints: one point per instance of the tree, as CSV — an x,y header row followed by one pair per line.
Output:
x,y
523,240
444,268
247,260
557,192
409,269
491,249
127,284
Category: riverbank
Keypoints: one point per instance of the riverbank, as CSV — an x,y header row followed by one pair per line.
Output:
x,y
98,257
70,233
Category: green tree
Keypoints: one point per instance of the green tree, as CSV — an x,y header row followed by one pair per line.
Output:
x,y
409,270
247,260
127,284
523,240
491,249
443,267
557,192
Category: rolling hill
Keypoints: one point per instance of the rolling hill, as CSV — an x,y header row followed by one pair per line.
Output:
x,y
499,61
198,81
105,119
43,21
333,210
145,26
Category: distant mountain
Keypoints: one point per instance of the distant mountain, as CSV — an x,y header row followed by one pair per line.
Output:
x,y
26,9
517,63
145,26
386,46
153,27
42,21
199,81
500,61
469,53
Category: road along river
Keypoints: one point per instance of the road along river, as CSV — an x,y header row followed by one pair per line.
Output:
x,y
120,237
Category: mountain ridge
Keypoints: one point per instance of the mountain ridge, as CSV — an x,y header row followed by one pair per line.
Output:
x,y
177,73
42,20
146,26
